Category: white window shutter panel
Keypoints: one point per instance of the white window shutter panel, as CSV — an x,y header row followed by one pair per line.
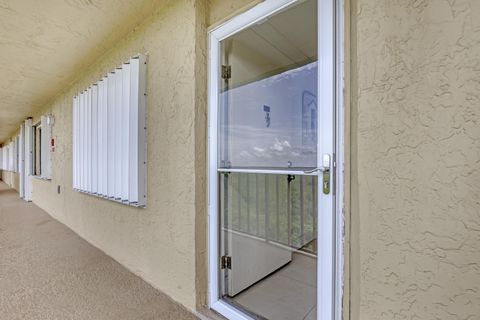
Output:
x,y
98,126
75,142
137,143
125,131
81,138
109,136
104,137
134,128
118,134
89,140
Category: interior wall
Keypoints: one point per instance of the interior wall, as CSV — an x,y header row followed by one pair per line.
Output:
x,y
416,150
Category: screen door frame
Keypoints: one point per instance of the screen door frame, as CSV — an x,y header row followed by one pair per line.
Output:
x,y
330,120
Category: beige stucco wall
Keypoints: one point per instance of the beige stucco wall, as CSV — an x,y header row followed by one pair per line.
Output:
x,y
157,243
12,179
221,10
416,150
166,243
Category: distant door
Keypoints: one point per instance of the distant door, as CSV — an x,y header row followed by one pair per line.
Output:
x,y
28,165
21,168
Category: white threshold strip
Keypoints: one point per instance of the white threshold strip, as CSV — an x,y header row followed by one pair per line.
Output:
x,y
229,311
259,171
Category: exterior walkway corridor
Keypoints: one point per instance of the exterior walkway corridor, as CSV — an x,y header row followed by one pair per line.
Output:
x,y
48,272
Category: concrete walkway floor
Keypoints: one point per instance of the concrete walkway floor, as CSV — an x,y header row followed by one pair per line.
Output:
x,y
48,272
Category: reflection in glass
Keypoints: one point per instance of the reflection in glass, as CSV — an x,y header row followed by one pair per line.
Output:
x,y
271,122
267,120
268,100
277,208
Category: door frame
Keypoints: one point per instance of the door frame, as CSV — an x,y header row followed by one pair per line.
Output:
x,y
28,156
21,166
330,226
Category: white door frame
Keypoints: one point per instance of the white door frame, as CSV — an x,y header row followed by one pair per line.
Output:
x,y
28,166
330,88
21,167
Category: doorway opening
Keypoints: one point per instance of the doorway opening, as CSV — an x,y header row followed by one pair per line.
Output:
x,y
273,163
37,149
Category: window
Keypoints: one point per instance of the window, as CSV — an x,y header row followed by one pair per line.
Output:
x,y
109,135
41,153
37,150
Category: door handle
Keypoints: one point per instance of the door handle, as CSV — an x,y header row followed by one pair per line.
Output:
x,y
322,169
325,165
325,169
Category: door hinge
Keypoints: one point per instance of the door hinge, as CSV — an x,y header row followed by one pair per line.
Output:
x,y
226,72
226,262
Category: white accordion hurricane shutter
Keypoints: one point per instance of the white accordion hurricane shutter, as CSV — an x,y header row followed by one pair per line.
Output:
x,y
109,135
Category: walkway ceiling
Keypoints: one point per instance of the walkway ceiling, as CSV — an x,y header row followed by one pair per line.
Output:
x,y
44,45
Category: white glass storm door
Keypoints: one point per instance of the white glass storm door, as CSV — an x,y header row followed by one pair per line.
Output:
x,y
21,161
272,237
28,156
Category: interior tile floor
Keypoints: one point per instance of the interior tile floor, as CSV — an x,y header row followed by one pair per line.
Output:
x,y
48,272
287,294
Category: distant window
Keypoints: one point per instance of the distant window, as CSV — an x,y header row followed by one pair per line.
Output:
x,y
37,150
7,153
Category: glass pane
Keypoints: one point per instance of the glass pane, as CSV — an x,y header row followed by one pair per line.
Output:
x,y
269,232
268,103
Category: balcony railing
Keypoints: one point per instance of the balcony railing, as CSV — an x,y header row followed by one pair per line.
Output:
x,y
279,208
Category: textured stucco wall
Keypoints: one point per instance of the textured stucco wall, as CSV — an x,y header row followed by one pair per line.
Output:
x,y
416,152
166,243
221,10
12,179
157,243
415,135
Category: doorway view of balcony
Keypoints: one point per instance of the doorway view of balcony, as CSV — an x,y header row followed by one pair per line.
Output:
x,y
267,158
269,232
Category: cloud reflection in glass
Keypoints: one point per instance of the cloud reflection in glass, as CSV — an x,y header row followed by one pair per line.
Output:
x,y
281,136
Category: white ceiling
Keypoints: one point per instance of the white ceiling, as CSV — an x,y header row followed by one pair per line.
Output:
x,y
44,43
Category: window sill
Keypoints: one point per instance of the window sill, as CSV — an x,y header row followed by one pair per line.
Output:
x,y
40,178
